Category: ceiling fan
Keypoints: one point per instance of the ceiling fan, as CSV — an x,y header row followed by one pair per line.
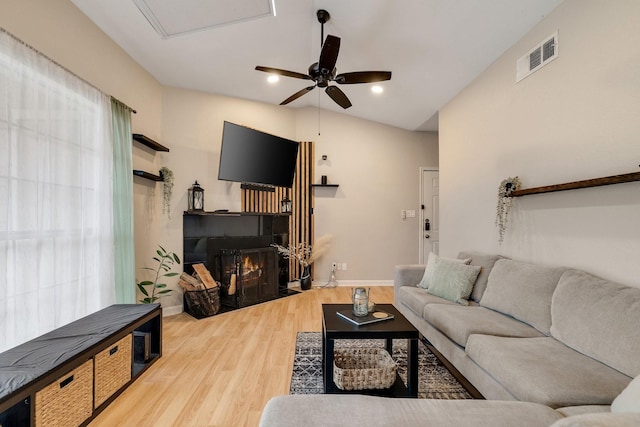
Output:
x,y
323,72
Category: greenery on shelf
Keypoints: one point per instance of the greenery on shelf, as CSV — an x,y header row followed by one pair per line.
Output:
x,y
165,262
167,189
505,201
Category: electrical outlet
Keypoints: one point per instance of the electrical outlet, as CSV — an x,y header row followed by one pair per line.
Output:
x,y
344,266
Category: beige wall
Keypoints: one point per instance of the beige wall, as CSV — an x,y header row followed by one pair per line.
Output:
x,y
377,168
576,118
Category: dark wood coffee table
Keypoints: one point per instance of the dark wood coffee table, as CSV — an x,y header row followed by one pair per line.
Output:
x,y
335,327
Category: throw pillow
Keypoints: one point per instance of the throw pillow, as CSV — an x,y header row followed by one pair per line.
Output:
x,y
453,281
629,399
431,266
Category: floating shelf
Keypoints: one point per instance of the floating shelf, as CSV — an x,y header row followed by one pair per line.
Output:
x,y
326,185
147,175
149,142
587,183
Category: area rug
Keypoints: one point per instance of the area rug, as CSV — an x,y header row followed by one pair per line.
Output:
x,y
435,381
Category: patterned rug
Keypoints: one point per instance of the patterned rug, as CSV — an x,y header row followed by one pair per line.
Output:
x,y
435,381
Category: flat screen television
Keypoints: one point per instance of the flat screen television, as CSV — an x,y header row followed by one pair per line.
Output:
x,y
254,157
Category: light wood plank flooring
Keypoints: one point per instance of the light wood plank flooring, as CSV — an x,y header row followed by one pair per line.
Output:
x,y
222,370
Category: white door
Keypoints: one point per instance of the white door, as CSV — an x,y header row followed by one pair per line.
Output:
x,y
429,217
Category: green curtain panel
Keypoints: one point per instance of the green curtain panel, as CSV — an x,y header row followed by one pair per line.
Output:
x,y
124,258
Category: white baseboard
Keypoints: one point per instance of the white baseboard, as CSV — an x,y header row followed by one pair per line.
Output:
x,y
171,311
360,283
177,309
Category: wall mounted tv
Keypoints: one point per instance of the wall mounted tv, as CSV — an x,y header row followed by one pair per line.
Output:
x,y
254,157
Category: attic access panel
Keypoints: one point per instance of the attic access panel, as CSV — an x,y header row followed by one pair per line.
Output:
x,y
171,18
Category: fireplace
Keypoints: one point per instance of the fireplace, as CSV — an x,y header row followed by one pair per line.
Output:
x,y
248,276
207,234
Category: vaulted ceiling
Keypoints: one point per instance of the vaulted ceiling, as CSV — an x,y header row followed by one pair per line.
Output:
x,y
434,48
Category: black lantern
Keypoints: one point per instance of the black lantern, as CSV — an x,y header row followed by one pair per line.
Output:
x,y
286,205
195,198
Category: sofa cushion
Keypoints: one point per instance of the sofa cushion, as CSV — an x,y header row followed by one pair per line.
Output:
x,y
522,290
453,281
569,411
543,370
629,399
458,322
598,318
486,263
366,411
430,268
599,420
416,298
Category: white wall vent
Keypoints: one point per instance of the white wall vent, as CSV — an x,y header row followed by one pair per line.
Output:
x,y
545,52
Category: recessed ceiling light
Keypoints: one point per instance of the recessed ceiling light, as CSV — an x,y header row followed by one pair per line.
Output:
x,y
273,78
377,89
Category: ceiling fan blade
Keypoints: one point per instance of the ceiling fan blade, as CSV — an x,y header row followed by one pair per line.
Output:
x,y
283,72
362,77
329,54
338,96
297,95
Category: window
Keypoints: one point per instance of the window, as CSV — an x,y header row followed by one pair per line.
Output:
x,y
56,158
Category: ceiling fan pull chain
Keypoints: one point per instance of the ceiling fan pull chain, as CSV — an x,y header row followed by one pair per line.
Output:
x,y
318,113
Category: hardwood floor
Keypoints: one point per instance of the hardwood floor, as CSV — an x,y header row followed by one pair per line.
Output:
x,y
222,370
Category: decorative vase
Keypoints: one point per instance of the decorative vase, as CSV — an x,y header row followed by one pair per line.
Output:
x,y
305,280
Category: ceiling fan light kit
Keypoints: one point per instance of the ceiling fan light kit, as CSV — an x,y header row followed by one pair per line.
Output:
x,y
323,72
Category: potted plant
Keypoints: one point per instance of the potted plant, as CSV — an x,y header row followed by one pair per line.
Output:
x,y
167,189
165,262
505,201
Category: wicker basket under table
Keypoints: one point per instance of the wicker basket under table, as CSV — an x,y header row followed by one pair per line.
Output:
x,y
363,369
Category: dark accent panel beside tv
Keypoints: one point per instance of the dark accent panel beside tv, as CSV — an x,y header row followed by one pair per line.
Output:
x,y
255,157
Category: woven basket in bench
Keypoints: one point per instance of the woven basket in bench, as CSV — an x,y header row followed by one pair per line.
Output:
x,y
363,369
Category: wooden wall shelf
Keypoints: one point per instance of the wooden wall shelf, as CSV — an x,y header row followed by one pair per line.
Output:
x,y
325,185
149,142
587,183
147,175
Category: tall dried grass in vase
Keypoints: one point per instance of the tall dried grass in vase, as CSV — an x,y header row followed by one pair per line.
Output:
x,y
303,252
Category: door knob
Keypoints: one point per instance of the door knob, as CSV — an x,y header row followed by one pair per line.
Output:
x,y
426,236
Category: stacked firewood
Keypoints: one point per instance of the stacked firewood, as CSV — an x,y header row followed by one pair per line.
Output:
x,y
200,280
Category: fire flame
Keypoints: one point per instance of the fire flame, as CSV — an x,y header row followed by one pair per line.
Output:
x,y
249,267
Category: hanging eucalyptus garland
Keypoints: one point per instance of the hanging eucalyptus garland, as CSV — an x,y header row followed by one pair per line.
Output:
x,y
504,204
167,189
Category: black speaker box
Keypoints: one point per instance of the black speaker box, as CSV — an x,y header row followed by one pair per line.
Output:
x,y
141,346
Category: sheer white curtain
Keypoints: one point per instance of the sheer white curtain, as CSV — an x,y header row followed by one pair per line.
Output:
x,y
56,239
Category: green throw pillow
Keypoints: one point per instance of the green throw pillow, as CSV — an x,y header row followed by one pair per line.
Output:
x,y
427,278
453,281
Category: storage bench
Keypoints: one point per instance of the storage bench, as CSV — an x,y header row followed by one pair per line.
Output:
x,y
69,375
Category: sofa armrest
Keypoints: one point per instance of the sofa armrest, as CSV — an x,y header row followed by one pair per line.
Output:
x,y
408,275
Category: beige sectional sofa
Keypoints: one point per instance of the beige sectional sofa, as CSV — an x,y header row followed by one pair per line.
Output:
x,y
548,335
544,345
